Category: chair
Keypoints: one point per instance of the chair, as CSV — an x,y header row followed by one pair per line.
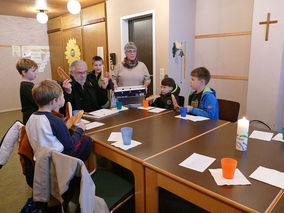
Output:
x,y
180,101
114,189
228,110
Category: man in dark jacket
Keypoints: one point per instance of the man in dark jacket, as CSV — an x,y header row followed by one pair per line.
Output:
x,y
81,92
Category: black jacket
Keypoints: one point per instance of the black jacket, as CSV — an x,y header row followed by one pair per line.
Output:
x,y
85,98
165,101
102,94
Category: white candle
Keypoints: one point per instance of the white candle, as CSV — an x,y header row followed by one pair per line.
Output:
x,y
242,134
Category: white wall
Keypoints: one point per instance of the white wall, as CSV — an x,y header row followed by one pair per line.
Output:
x,y
17,31
265,97
225,55
181,29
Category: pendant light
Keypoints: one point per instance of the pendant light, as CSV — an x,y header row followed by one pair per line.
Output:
x,y
73,6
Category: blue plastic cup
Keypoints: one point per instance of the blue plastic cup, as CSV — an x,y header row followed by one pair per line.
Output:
x,y
183,111
283,133
118,104
126,133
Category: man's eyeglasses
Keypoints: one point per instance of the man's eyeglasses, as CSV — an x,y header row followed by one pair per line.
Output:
x,y
81,73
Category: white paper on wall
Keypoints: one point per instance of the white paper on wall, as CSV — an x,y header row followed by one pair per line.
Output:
x,y
39,54
16,51
100,52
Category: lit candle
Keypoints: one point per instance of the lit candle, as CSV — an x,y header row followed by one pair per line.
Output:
x,y
242,134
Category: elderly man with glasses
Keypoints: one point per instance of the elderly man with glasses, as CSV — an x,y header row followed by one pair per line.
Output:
x,y
80,92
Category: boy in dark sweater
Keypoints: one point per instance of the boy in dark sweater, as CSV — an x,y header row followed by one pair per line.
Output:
x,y
102,84
168,87
28,70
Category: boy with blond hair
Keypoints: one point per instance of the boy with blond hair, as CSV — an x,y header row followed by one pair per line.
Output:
x,y
45,129
202,99
28,70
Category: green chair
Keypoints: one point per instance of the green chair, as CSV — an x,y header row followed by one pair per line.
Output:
x,y
114,189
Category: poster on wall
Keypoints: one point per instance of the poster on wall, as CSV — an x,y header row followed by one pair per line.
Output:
x,y
39,54
16,51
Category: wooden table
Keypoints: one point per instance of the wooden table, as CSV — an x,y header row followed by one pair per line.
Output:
x,y
279,206
200,188
121,118
158,134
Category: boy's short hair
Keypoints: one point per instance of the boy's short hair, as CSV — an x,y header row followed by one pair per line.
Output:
x,y
97,58
45,91
202,74
24,64
168,82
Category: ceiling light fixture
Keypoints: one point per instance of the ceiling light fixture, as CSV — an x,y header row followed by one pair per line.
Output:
x,y
73,6
41,17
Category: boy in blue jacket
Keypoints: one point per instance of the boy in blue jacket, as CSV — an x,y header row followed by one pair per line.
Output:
x,y
202,99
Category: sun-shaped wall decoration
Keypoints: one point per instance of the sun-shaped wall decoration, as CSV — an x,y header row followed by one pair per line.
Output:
x,y
72,51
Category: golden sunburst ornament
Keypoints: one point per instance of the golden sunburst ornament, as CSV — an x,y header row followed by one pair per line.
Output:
x,y
72,51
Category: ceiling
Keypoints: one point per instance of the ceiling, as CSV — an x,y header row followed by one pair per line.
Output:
x,y
26,8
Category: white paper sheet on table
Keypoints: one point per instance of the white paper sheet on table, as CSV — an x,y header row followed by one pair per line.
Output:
x,y
193,118
93,125
145,108
122,109
85,121
266,136
239,178
278,137
270,176
197,162
102,113
157,110
126,147
115,136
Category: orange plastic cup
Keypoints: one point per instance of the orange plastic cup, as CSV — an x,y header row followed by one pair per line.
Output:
x,y
229,166
145,103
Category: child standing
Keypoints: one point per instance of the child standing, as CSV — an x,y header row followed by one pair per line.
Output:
x,y
202,99
28,70
101,84
45,129
168,87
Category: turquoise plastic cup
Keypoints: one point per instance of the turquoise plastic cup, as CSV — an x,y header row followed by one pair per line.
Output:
x,y
183,111
118,104
282,133
126,133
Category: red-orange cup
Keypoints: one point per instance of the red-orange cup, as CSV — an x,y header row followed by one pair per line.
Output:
x,y
229,166
145,103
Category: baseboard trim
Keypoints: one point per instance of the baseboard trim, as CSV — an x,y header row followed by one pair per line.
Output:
x,y
9,110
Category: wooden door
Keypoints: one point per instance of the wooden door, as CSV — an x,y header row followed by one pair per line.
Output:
x,y
94,36
75,33
140,32
56,53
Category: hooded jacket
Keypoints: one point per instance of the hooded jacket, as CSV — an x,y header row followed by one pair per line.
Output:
x,y
208,106
165,101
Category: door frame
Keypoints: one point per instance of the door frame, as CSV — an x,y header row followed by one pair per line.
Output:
x,y
124,37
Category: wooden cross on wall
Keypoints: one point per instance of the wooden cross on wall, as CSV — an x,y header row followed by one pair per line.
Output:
x,y
267,22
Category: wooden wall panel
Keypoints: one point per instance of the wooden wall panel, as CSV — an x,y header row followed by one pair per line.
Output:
x,y
94,36
92,13
54,23
56,53
70,21
72,33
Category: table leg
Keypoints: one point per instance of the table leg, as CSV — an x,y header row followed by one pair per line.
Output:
x,y
152,192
